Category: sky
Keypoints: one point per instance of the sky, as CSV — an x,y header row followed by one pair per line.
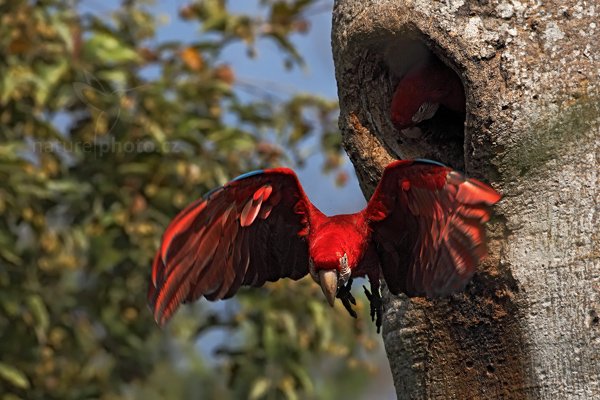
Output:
x,y
317,78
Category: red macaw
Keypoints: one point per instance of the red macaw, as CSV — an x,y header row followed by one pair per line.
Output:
x,y
422,229
422,90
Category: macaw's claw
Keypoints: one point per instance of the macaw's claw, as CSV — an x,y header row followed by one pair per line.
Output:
x,y
345,295
376,307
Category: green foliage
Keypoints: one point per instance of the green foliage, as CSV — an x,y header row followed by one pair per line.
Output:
x,y
96,157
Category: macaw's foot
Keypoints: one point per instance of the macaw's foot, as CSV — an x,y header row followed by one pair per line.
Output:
x,y
345,295
376,306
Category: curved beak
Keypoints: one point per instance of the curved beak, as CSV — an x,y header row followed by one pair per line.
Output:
x,y
329,280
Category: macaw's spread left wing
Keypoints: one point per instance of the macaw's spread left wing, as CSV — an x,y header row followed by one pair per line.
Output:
x,y
427,224
245,233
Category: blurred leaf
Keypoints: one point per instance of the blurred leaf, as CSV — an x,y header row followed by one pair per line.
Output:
x,y
105,48
260,388
192,58
40,313
6,252
13,376
48,76
10,396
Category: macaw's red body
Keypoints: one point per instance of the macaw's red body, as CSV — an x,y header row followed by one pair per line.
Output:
x,y
422,230
422,90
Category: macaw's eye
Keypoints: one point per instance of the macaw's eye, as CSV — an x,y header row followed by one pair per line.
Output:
x,y
345,271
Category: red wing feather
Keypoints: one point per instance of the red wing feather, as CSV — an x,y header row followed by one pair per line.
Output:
x,y
427,221
245,233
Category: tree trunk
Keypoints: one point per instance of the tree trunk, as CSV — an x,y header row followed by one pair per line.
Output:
x,y
528,325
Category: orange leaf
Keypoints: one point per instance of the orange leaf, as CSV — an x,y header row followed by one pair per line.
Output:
x,y
192,59
224,73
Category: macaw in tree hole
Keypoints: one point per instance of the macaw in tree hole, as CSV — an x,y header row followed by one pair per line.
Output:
x,y
422,230
422,90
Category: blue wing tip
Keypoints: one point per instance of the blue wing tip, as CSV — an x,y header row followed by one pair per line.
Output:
x,y
210,192
426,161
239,178
248,175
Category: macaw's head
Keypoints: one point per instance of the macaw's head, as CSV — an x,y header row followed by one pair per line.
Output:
x,y
414,100
331,271
335,249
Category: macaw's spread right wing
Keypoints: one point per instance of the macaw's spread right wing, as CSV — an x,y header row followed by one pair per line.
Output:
x,y
245,233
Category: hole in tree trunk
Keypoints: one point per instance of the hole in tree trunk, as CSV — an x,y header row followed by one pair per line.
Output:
x,y
427,104
480,325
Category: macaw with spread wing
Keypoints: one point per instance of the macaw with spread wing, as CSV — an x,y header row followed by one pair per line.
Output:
x,y
422,230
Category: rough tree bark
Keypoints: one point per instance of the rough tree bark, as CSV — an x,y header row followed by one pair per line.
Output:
x,y
528,325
